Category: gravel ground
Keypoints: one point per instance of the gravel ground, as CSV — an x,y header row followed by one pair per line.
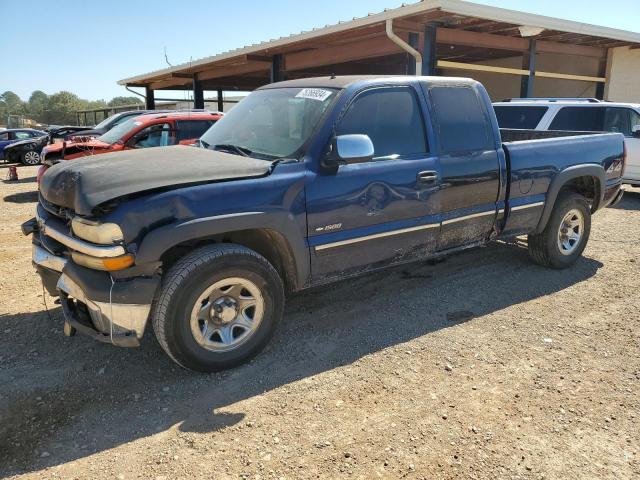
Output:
x,y
481,366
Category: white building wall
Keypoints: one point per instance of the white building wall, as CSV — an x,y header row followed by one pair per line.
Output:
x,y
623,75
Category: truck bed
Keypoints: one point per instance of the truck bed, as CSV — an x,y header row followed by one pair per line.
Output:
x,y
535,158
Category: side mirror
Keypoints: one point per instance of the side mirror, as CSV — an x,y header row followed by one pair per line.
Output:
x,y
348,149
635,131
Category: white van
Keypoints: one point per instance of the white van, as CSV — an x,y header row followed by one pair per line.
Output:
x,y
578,114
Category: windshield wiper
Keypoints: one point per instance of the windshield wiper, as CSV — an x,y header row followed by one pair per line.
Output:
x,y
230,148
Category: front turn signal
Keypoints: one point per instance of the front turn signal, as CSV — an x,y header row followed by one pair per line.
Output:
x,y
108,264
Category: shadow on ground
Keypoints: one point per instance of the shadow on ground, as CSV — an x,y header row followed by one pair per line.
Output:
x,y
22,197
630,201
58,394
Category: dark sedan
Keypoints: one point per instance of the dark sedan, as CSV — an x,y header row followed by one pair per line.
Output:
x,y
7,137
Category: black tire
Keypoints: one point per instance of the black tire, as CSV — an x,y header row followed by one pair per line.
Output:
x,y
544,247
182,286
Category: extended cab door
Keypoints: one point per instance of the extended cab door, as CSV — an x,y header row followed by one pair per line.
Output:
x,y
470,166
379,212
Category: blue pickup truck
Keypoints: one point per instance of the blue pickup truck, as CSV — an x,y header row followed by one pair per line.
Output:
x,y
304,182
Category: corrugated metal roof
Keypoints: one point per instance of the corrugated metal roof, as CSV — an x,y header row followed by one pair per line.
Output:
x,y
457,7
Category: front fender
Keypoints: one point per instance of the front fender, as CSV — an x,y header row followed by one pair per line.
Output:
x,y
565,176
158,241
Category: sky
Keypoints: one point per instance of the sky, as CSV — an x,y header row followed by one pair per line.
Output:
x,y
87,46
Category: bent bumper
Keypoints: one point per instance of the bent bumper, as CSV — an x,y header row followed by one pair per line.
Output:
x,y
117,323
93,303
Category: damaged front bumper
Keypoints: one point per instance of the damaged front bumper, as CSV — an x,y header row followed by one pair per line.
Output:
x,y
120,324
94,303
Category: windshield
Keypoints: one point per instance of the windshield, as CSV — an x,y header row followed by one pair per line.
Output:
x,y
272,123
119,131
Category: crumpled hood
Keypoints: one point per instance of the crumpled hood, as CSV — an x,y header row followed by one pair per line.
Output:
x,y
85,183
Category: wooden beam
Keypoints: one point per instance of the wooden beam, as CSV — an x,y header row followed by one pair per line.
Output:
x,y
400,25
232,70
516,71
481,40
545,46
501,42
373,47
482,68
171,82
565,76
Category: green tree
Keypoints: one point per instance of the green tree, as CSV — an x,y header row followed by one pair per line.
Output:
x,y
118,101
63,107
10,104
37,105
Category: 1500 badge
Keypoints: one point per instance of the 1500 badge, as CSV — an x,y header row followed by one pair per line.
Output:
x,y
328,228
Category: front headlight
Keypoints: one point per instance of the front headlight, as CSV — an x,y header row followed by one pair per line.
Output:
x,y
96,232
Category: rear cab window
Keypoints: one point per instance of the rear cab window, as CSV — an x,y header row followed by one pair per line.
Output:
x,y
520,117
460,120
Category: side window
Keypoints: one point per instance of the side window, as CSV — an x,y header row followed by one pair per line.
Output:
x,y
460,119
189,129
4,136
160,135
635,118
22,135
391,118
519,117
617,120
579,119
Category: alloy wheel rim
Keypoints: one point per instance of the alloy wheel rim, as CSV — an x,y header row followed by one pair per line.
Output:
x,y
571,231
227,314
31,158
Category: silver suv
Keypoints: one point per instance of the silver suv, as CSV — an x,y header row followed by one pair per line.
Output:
x,y
578,114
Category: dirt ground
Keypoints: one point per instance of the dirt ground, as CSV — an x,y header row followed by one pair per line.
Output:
x,y
481,366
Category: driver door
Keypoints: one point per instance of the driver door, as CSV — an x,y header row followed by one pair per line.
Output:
x,y
380,212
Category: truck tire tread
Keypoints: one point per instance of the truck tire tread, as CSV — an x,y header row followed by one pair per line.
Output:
x,y
178,274
543,248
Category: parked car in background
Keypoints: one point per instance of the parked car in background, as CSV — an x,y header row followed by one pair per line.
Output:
x,y
7,137
28,151
586,115
110,122
303,183
144,131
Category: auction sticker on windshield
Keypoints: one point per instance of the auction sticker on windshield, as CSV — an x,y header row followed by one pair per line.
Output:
x,y
314,94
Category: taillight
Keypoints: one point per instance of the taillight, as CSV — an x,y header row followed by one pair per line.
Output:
x,y
625,152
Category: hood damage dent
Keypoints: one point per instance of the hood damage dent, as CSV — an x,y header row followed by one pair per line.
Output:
x,y
84,184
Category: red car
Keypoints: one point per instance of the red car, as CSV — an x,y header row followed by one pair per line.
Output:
x,y
158,130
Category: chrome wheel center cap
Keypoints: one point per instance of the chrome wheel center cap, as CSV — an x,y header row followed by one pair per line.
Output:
x,y
224,309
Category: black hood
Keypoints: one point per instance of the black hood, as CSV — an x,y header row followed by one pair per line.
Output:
x,y
94,132
85,183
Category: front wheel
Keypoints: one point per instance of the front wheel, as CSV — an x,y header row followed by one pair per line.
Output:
x,y
566,234
30,158
218,307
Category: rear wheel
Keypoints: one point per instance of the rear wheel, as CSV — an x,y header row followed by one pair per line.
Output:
x,y
218,307
30,158
566,234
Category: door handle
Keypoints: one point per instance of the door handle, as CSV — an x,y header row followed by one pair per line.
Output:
x,y
428,176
